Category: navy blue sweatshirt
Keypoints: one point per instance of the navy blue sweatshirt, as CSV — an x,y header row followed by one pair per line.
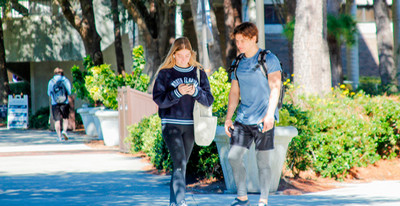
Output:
x,y
173,107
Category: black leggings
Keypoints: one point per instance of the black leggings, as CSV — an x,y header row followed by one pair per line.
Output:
x,y
180,141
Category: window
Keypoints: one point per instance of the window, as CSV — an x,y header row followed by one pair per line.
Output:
x,y
271,14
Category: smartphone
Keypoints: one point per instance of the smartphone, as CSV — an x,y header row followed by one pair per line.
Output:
x,y
230,130
260,126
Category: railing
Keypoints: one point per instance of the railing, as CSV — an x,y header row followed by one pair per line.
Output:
x,y
133,105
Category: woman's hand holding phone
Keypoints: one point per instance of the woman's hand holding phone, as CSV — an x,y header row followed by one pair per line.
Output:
x,y
186,89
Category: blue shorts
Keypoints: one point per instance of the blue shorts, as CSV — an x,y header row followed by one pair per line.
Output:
x,y
244,135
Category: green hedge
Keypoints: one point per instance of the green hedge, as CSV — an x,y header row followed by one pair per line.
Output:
x,y
40,120
146,136
342,131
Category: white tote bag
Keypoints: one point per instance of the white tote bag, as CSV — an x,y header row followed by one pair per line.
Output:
x,y
205,124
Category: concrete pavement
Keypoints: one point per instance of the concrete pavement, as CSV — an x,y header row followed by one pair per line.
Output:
x,y
37,170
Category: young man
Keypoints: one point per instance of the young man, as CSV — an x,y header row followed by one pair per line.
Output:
x,y
59,88
259,98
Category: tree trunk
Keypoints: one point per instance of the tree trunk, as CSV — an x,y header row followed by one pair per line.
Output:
x,y
290,8
232,18
117,36
325,68
4,86
310,55
336,61
385,45
396,35
334,44
154,22
193,7
85,26
214,50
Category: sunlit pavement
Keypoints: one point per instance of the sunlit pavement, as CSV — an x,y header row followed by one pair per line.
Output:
x,y
35,169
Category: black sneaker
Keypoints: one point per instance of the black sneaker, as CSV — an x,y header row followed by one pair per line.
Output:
x,y
240,202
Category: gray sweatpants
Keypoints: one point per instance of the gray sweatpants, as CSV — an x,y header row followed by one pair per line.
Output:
x,y
263,157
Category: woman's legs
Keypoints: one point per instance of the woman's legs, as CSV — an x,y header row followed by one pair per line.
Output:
x,y
179,140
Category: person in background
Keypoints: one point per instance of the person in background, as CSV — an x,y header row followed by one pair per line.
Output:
x,y
59,88
257,112
175,91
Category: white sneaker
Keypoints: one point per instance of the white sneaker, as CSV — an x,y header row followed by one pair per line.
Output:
x,y
64,133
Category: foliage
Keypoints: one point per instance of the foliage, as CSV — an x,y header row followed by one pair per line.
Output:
x,y
342,130
342,27
146,136
220,88
78,80
288,30
40,120
102,83
373,86
20,87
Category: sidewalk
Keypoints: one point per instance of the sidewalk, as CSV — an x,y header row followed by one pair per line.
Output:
x,y
37,170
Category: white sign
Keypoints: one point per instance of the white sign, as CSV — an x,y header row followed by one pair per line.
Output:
x,y
17,117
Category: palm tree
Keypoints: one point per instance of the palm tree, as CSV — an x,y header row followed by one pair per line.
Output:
x,y
396,34
384,37
214,49
310,50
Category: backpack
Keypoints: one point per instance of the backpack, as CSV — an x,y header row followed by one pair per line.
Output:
x,y
264,71
59,92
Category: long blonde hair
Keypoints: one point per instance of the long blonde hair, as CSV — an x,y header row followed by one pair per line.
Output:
x,y
179,44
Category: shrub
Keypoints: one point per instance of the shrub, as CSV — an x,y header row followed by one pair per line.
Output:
x,y
78,80
40,120
220,88
103,84
146,136
341,131
20,87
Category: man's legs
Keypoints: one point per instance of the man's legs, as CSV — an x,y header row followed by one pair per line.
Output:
x,y
264,146
57,126
64,113
65,128
235,158
264,173
57,117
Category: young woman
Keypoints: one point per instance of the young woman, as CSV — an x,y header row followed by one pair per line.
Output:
x,y
175,91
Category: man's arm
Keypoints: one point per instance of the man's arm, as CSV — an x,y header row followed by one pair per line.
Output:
x,y
234,96
274,81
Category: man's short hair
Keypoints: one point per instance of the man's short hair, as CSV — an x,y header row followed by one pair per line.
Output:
x,y
247,29
58,71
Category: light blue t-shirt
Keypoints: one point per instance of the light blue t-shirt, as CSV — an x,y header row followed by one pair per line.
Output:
x,y
254,88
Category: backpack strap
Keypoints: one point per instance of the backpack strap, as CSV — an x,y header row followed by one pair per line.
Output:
x,y
261,61
234,67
